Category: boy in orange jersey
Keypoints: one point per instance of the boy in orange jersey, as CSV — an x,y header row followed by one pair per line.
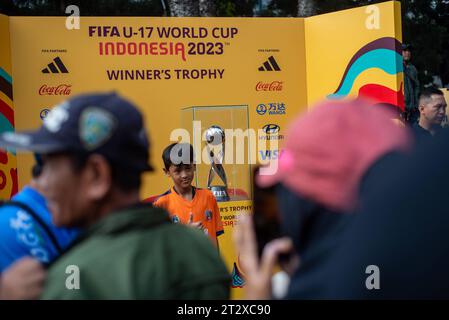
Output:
x,y
185,203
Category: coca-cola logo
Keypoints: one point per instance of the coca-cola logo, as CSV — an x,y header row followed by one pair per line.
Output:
x,y
269,86
61,90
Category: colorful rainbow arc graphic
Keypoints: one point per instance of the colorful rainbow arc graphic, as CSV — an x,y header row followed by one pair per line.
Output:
x,y
6,112
384,54
6,124
237,278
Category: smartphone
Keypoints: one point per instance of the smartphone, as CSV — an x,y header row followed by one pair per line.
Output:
x,y
266,215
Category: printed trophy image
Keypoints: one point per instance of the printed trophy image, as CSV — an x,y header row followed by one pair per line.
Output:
x,y
225,172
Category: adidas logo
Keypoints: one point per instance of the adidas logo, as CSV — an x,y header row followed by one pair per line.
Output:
x,y
270,65
55,67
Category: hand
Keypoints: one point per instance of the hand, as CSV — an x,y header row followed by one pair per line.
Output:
x,y
198,224
257,273
23,280
290,265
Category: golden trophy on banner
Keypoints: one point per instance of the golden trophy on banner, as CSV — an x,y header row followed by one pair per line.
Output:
x,y
215,143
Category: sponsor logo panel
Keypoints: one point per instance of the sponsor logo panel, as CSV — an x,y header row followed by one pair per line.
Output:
x,y
271,108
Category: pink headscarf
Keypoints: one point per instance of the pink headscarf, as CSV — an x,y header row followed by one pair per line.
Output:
x,y
328,150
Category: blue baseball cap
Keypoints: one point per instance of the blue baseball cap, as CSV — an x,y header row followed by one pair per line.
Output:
x,y
99,123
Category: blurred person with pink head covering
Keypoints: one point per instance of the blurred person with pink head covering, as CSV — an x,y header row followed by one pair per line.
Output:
x,y
327,154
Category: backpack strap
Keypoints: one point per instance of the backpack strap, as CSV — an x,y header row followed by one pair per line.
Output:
x,y
39,221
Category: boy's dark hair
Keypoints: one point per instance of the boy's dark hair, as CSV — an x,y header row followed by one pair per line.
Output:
x,y
177,154
427,93
125,179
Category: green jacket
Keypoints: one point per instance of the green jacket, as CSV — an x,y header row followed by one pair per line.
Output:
x,y
411,86
138,253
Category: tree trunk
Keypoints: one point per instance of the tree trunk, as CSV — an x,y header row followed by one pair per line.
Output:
x,y
207,8
192,8
184,8
306,8
62,6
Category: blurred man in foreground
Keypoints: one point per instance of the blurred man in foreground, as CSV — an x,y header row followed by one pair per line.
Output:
x,y
95,149
328,153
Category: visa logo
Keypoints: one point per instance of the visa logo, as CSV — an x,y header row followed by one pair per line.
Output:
x,y
270,154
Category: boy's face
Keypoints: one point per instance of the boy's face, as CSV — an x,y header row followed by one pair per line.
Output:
x,y
182,175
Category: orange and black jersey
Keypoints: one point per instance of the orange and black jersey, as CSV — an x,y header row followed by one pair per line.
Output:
x,y
203,208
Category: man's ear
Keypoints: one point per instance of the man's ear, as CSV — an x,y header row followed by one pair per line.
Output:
x,y
97,177
166,172
421,109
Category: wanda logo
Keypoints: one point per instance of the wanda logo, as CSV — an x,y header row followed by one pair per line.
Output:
x,y
61,90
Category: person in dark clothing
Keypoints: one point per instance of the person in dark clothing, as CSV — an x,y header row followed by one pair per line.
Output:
x,y
327,153
411,85
432,109
401,229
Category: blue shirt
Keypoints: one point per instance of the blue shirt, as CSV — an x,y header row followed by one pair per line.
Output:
x,y
21,235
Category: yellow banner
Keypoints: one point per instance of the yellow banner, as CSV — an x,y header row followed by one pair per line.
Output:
x,y
230,211
274,66
163,65
270,69
356,52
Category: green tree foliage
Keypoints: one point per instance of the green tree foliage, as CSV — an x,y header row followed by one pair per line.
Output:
x,y
236,8
87,7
